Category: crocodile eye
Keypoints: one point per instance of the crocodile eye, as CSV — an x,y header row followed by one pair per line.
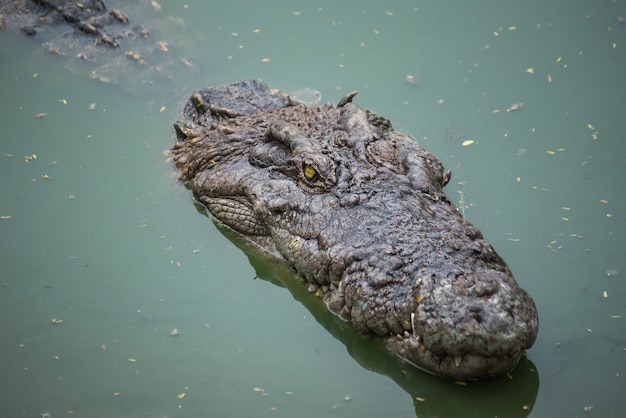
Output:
x,y
309,172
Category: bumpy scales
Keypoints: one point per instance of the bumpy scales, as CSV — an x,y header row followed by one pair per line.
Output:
x,y
357,208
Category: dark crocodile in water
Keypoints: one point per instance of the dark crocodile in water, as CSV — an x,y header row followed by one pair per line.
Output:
x,y
357,210
102,41
89,18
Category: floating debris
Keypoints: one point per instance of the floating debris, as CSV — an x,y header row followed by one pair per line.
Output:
x,y
175,332
40,115
515,106
611,273
413,79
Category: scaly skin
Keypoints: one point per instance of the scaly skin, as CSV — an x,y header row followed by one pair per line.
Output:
x,y
357,209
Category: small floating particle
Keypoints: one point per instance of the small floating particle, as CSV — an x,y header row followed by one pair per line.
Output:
x,y
515,106
116,394
40,115
56,321
530,70
564,218
590,126
6,216
64,101
549,78
132,360
460,383
257,30
45,176
155,6
71,197
525,407
512,27
266,60
181,395
413,79
258,389
347,398
175,332
605,294
611,273
162,109
297,13
467,142
420,399
92,106
550,152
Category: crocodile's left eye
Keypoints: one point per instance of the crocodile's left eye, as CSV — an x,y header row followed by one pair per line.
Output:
x,y
309,172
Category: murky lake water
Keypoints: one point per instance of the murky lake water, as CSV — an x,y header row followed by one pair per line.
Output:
x,y
103,253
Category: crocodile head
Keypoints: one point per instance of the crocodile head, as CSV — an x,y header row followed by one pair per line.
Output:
x,y
357,209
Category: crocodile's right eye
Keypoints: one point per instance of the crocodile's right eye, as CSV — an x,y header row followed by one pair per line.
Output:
x,y
315,173
309,172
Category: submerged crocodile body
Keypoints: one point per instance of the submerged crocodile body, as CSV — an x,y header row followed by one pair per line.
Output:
x,y
357,210
99,40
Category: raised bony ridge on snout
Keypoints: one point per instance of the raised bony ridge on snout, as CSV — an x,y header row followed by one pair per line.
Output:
x,y
357,209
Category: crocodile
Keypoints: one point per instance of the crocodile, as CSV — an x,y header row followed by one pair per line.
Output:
x,y
101,41
357,210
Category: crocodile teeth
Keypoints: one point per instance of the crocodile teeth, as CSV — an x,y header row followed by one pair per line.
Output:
x,y
457,360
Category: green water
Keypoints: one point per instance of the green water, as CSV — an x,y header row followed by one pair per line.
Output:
x,y
97,233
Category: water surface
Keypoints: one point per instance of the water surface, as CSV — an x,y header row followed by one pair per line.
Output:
x,y
103,253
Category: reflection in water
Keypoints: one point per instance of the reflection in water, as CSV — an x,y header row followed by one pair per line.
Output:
x,y
512,395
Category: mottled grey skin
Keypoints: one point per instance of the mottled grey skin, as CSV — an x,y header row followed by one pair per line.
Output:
x,y
96,40
357,209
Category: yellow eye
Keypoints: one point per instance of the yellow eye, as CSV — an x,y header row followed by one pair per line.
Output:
x,y
309,172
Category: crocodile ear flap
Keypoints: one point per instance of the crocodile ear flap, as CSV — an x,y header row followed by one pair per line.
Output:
x,y
269,154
